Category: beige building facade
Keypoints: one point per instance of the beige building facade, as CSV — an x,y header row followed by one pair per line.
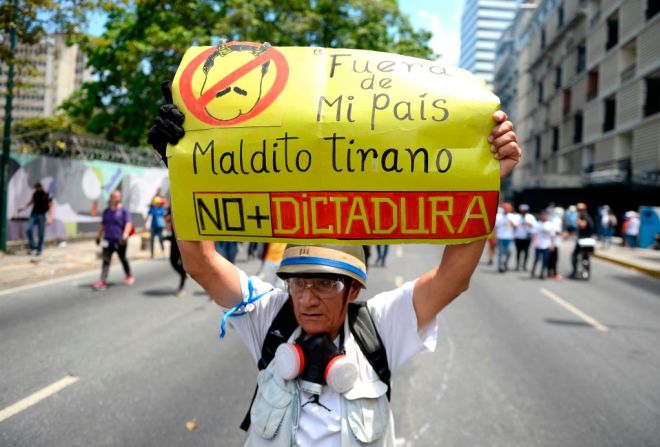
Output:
x,y
56,71
587,101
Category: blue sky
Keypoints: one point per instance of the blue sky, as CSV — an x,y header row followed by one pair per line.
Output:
x,y
441,17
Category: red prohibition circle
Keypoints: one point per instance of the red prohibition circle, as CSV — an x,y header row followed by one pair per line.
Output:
x,y
197,105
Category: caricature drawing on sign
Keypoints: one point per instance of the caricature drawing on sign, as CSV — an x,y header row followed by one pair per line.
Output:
x,y
241,96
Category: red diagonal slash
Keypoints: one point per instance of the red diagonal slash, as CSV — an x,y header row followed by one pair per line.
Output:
x,y
197,105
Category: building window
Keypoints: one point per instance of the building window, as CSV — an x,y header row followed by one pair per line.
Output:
x,y
540,91
560,16
581,58
555,139
610,114
542,38
652,103
537,152
558,78
567,101
592,84
577,128
612,31
652,8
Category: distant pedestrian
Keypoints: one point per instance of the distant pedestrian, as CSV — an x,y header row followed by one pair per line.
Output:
x,y
585,229
525,223
504,229
557,220
367,254
228,250
492,247
253,250
382,251
543,238
571,220
632,228
608,222
40,216
175,255
115,227
157,212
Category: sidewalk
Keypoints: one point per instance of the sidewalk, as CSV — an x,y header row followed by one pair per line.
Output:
x,y
74,257
61,260
645,260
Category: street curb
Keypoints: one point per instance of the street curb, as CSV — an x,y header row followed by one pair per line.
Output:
x,y
639,268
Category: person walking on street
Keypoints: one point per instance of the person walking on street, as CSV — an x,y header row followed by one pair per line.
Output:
x,y
157,212
227,249
543,236
40,216
632,228
585,228
382,251
571,220
525,223
504,228
317,385
175,255
557,220
115,227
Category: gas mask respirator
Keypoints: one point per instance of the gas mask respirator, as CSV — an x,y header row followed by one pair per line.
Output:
x,y
317,361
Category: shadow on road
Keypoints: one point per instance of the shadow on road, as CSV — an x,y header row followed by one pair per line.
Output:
x,y
159,293
567,322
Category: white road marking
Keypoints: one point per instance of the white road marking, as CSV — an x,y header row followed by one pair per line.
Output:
x,y
398,251
398,280
37,397
571,308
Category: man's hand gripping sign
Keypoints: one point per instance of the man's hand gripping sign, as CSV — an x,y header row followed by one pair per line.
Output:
x,y
321,145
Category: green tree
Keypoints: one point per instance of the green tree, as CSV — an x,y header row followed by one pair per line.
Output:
x,y
143,45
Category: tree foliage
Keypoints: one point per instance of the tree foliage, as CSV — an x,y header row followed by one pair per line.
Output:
x,y
143,44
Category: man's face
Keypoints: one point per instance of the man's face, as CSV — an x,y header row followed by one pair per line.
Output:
x,y
115,198
320,304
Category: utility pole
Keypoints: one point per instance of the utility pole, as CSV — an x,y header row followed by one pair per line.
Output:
x,y
6,141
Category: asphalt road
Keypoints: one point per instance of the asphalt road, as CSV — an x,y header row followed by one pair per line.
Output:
x,y
516,365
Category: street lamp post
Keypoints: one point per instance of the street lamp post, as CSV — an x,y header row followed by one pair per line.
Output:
x,y
6,141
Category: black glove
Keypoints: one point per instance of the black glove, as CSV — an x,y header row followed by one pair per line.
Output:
x,y
167,125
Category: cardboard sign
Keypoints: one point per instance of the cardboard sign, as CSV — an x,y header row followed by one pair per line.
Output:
x,y
323,145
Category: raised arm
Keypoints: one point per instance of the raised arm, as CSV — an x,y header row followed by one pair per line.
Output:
x,y
438,287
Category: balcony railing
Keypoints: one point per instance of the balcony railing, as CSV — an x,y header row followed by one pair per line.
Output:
x,y
628,73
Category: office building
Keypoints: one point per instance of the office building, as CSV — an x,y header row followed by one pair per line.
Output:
x,y
482,24
53,73
588,102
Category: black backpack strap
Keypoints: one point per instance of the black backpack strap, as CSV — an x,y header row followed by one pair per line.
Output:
x,y
279,332
366,336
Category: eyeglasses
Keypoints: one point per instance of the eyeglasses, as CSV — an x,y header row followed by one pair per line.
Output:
x,y
324,288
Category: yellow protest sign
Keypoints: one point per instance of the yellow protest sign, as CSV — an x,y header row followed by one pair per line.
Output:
x,y
320,145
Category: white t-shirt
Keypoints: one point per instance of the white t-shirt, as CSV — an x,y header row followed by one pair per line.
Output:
x,y
544,232
524,225
395,320
504,224
632,228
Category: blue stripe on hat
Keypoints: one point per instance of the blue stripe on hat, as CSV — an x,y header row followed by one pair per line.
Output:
x,y
323,261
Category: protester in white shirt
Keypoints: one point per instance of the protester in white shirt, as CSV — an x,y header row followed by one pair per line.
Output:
x,y
543,239
524,222
505,224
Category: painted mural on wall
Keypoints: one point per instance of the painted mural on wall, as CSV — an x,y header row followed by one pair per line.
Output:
x,y
80,190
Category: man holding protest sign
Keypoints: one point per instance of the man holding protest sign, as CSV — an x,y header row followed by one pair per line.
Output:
x,y
325,363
